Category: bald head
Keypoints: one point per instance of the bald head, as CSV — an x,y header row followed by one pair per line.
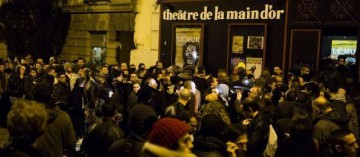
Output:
x,y
185,94
321,101
322,104
190,85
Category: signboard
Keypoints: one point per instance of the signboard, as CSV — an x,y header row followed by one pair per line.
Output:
x,y
343,47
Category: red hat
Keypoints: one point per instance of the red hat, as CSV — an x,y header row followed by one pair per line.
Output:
x,y
167,131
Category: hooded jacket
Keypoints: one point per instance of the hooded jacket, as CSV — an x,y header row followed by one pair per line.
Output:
x,y
59,136
339,102
326,123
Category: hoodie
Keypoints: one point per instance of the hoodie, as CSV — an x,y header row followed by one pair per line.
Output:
x,y
326,123
59,136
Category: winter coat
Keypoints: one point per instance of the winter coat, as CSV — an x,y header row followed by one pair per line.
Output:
x,y
325,124
59,136
152,97
16,85
29,85
353,120
258,133
76,111
61,94
340,103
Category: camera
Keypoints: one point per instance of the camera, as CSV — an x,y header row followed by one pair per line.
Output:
x,y
241,88
246,82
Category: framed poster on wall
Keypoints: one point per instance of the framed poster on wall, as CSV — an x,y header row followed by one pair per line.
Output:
x,y
238,44
256,64
255,42
187,44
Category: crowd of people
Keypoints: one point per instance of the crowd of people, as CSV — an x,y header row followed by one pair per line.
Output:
x,y
57,109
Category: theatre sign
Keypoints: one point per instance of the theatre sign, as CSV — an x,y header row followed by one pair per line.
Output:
x,y
268,12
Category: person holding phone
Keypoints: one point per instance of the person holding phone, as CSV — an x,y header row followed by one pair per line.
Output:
x,y
257,128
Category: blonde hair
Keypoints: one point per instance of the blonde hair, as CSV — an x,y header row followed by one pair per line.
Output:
x,y
218,109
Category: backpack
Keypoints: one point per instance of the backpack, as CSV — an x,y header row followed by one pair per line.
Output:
x,y
272,143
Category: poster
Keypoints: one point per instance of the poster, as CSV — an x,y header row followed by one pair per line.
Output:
x,y
236,60
255,63
255,42
188,46
238,44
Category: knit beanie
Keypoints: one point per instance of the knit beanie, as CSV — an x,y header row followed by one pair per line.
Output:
x,y
167,131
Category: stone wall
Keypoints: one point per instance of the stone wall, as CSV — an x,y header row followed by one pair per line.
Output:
x,y
145,23
78,42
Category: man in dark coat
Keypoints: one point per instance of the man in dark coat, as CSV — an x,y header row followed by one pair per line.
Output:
x,y
327,121
177,110
29,84
76,107
61,92
92,90
49,78
16,83
101,135
150,96
59,136
257,128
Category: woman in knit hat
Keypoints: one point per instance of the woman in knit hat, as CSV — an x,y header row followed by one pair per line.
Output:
x,y
171,135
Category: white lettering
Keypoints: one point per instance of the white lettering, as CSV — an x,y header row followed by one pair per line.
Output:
x,y
254,14
268,12
231,15
264,13
219,15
